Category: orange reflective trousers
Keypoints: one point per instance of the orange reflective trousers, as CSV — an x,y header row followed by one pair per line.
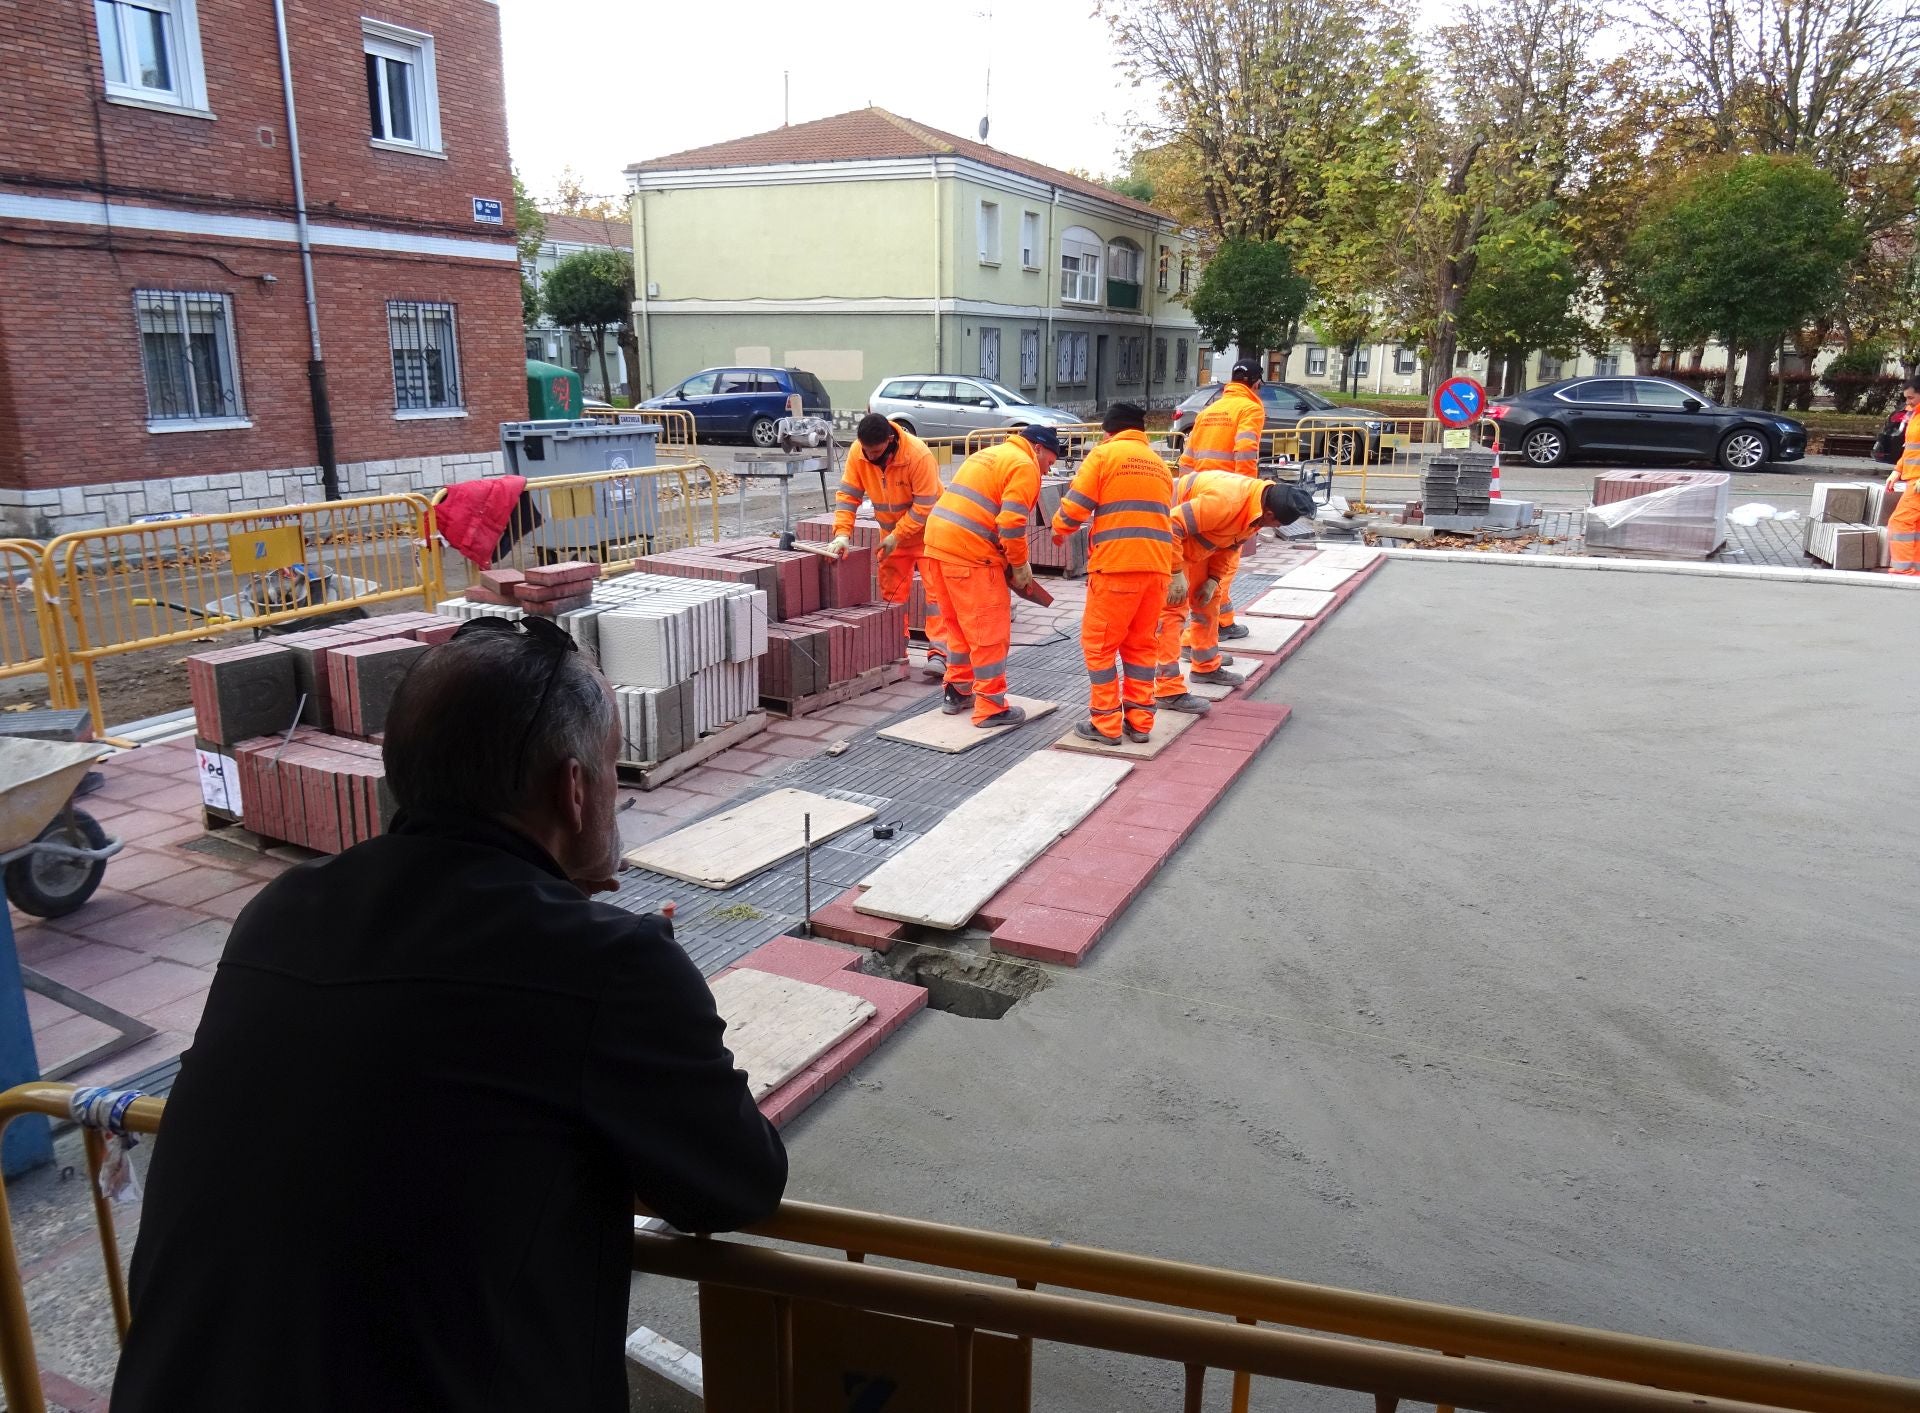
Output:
x,y
1122,615
978,611
896,585
1200,620
1903,534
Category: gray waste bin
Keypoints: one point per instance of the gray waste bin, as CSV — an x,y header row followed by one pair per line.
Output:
x,y
619,510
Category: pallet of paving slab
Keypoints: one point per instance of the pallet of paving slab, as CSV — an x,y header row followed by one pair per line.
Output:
x,y
949,873
652,774
936,731
1167,728
872,680
734,845
777,1026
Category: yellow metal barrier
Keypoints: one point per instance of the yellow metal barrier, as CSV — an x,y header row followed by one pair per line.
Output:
x,y
613,518
676,428
29,634
1077,437
132,587
774,1323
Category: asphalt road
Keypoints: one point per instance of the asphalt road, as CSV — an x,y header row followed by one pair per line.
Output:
x,y
1557,958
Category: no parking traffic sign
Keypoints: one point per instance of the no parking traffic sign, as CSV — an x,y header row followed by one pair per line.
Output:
x,y
1458,402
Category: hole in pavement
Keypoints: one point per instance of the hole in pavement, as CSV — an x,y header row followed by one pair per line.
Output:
x,y
975,985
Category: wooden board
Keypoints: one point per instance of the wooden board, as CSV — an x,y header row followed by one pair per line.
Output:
x,y
720,851
1166,730
1347,556
953,734
1315,575
651,775
872,680
946,875
1264,635
777,1026
1288,603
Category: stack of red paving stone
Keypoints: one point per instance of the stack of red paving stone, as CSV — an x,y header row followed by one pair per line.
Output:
x,y
297,719
547,590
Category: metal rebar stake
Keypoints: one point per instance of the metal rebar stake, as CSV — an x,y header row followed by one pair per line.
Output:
x,y
806,861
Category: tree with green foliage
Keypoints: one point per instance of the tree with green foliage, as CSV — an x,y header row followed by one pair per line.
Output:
x,y
1249,294
1745,251
529,230
592,292
1524,294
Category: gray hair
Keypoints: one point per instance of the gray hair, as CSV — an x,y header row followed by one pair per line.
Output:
x,y
458,734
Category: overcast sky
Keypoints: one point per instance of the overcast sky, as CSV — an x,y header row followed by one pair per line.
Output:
x,y
601,83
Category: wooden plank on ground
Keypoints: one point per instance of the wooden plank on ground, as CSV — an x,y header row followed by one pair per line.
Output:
x,y
1315,575
944,877
1287,603
1167,727
1264,635
777,1026
953,734
720,851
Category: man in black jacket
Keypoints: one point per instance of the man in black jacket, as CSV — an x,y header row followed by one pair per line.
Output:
x,y
399,1166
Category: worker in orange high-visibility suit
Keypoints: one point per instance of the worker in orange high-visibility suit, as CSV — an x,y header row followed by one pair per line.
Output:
x,y
1125,489
894,470
1226,437
977,544
1214,513
1903,530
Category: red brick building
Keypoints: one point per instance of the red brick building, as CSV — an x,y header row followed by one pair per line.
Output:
x,y
154,339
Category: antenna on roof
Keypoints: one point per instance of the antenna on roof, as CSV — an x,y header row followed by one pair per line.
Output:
x,y
987,101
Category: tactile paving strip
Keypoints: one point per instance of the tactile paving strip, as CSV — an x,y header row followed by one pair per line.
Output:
x,y
913,790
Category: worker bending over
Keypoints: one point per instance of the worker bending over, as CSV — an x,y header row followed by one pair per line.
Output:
x,y
1226,437
977,542
1214,513
1125,489
895,471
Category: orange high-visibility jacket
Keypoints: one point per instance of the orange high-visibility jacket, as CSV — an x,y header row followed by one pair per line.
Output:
x,y
1908,467
1226,434
903,491
982,518
1128,491
1215,510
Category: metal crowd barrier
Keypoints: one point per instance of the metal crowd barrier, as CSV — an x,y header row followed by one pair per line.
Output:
x,y
676,428
129,588
29,633
777,1326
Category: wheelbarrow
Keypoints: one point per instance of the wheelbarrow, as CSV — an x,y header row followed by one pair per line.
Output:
x,y
300,586
52,855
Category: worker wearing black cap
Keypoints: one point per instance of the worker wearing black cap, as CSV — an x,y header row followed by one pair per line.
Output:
x,y
1226,437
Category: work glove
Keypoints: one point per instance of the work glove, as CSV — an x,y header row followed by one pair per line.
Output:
x,y
1021,576
889,545
1177,589
839,545
1208,590
1058,538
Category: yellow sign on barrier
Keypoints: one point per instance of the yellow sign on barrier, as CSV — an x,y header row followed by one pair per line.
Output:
x,y
265,550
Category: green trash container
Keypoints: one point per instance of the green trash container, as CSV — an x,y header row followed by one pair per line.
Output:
x,y
552,391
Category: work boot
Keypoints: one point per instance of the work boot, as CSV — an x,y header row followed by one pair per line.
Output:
x,y
953,701
1012,716
1187,702
1087,731
1235,630
1219,676
935,669
1135,734
1186,655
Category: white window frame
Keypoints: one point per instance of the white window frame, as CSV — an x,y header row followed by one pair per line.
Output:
x,y
454,375
1124,255
1606,365
1551,368
1081,284
1406,363
987,232
1030,256
1319,351
1186,272
189,91
195,421
415,48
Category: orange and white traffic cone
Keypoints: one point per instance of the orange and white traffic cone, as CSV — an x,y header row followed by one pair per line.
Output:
x,y
1493,492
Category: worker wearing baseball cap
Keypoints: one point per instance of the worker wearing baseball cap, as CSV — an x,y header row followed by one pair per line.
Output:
x,y
976,542
1226,437
1214,514
895,471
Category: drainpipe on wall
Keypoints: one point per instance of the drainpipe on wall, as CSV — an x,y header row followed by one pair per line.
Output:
x,y
1050,277
643,281
933,169
316,361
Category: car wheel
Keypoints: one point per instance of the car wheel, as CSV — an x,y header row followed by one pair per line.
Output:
x,y
763,432
1544,446
1342,450
1177,440
905,426
1745,449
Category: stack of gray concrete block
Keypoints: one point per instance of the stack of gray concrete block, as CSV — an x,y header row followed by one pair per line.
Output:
x,y
1456,490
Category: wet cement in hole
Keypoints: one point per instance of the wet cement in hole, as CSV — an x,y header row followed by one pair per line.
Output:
x,y
962,978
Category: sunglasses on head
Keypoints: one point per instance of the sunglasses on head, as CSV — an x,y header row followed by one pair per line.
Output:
x,y
546,634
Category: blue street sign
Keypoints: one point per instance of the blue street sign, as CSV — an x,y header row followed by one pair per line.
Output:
x,y
1458,402
488,211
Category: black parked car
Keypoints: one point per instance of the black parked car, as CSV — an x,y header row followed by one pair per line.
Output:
x,y
1642,419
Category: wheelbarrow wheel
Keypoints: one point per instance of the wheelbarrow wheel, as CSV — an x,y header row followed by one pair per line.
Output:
x,y
47,885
